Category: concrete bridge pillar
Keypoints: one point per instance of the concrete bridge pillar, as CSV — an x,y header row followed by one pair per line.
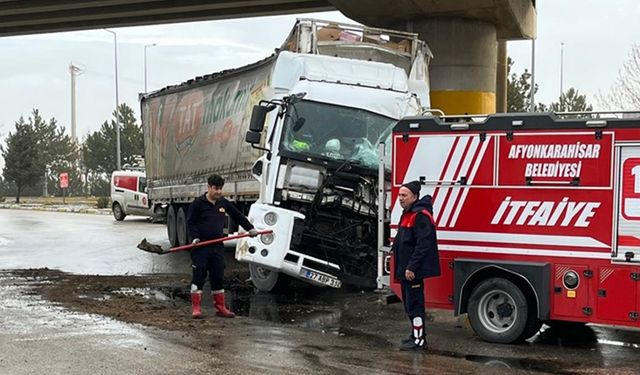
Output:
x,y
463,70
464,36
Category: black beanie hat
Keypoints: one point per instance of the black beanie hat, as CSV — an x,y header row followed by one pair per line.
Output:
x,y
414,186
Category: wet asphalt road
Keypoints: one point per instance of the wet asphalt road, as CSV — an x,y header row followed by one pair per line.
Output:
x,y
37,337
82,243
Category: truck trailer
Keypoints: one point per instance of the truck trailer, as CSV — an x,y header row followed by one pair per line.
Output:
x,y
304,162
537,217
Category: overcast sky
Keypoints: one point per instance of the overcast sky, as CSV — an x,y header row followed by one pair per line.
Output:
x,y
34,70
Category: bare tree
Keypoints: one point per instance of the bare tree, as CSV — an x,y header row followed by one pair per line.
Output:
x,y
625,93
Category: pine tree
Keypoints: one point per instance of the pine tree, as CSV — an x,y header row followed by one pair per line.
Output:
x,y
100,146
518,89
571,101
23,164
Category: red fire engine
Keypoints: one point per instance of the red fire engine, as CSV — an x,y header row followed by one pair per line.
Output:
x,y
538,218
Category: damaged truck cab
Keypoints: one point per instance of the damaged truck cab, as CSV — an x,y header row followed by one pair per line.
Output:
x,y
319,185
319,172
296,137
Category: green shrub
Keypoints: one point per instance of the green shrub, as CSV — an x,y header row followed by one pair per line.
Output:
x,y
103,202
2,199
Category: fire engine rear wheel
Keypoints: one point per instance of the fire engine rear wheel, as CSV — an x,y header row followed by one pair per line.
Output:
x,y
266,280
498,311
181,227
118,212
171,226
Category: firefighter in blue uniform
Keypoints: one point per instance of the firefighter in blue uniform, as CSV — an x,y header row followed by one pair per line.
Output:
x,y
205,221
415,250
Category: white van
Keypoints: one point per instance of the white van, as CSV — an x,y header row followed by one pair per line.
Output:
x,y
129,194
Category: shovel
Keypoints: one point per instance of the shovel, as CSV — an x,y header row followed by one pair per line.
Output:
x,y
157,249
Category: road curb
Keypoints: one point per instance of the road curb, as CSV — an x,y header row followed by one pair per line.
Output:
x,y
56,208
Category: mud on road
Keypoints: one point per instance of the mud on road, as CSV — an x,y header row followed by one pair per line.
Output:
x,y
163,301
304,331
317,331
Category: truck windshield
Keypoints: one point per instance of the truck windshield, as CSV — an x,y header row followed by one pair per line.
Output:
x,y
336,132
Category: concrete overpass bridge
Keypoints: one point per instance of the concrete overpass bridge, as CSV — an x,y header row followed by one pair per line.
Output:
x,y
467,37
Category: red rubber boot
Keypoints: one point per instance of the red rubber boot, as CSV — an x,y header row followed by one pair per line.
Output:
x,y
218,301
196,299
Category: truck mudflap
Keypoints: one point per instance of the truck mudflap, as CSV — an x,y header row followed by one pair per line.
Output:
x,y
273,251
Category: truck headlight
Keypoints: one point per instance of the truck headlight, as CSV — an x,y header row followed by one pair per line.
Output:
x,y
270,218
266,238
304,177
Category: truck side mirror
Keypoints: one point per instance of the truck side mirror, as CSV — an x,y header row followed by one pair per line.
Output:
x,y
258,117
252,137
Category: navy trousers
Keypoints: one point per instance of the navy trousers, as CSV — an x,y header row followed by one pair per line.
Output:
x,y
413,298
208,260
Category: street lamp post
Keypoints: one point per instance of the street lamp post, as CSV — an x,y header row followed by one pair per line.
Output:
x,y
532,106
115,56
145,64
561,66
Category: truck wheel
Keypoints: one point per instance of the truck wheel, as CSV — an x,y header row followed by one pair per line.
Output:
x,y
498,311
118,212
171,226
266,280
181,227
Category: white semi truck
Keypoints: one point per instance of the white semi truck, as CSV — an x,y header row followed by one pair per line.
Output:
x,y
295,136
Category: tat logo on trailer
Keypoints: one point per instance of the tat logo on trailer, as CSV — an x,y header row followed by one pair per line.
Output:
x,y
631,189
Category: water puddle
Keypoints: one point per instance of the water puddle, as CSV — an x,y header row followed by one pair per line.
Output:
x,y
104,297
518,364
620,344
31,318
147,293
572,336
292,309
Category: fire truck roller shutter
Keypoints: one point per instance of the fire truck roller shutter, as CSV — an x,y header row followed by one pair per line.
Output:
x,y
506,301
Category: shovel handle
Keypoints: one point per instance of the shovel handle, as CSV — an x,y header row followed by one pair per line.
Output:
x,y
211,242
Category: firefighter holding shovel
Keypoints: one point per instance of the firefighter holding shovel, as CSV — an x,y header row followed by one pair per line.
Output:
x,y
205,221
415,250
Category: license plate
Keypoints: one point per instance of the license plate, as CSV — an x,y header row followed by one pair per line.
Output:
x,y
322,279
